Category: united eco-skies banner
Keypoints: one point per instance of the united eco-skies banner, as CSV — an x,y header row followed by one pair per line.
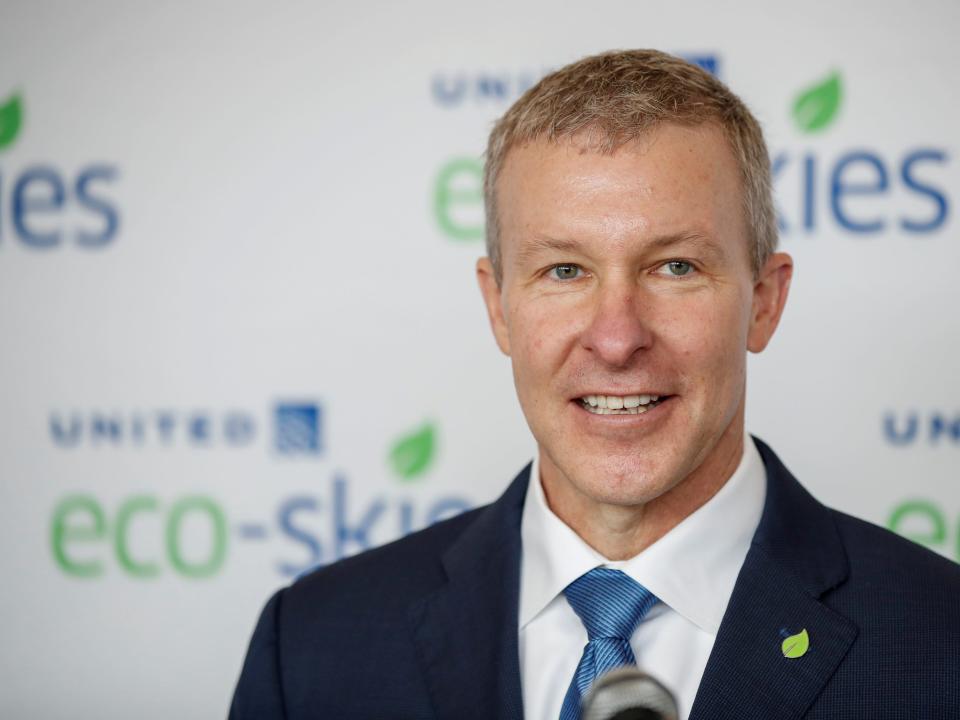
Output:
x,y
241,334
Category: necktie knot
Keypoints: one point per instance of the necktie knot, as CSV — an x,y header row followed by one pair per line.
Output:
x,y
609,603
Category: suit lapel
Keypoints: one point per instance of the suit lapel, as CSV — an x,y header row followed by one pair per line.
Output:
x,y
466,632
796,556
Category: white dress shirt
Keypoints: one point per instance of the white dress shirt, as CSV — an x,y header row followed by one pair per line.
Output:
x,y
692,569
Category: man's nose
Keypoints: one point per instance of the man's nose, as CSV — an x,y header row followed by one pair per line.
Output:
x,y
619,326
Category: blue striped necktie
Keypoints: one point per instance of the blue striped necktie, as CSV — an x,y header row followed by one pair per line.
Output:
x,y
611,605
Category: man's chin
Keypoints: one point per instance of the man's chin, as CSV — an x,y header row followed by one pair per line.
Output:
x,y
626,481
629,493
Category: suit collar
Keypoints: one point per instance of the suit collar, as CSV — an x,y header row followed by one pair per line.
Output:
x,y
466,632
798,532
796,557
692,568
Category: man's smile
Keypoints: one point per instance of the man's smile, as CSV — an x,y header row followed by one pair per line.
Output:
x,y
621,404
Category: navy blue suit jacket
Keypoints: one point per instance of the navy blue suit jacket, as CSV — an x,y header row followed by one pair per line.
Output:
x,y
426,627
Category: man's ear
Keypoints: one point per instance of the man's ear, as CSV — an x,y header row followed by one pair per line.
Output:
x,y
490,290
769,297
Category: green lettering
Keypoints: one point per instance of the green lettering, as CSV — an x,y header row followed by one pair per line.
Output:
x,y
126,512
933,521
458,199
77,519
218,544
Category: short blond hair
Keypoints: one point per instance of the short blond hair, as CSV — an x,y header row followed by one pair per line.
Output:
x,y
618,96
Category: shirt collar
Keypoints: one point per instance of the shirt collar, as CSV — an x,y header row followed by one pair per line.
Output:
x,y
692,569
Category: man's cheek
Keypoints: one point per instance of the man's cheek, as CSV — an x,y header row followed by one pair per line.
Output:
x,y
536,338
706,332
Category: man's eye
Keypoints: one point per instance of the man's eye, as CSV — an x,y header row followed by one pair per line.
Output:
x,y
565,272
678,268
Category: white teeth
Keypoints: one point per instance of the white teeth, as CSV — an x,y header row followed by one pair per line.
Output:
x,y
619,405
623,411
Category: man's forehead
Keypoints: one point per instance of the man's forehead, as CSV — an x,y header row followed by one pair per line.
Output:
x,y
673,164
592,142
682,167
677,184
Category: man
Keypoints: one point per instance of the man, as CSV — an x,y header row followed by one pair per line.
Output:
x,y
631,264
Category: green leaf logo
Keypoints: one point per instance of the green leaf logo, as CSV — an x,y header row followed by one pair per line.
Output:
x,y
817,107
11,114
412,454
796,645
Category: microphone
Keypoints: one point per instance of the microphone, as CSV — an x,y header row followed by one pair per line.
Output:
x,y
626,693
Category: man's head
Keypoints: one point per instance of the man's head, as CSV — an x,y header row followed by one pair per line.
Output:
x,y
631,255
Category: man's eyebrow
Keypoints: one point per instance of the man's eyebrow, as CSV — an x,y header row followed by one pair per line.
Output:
x,y
535,245
703,243
541,243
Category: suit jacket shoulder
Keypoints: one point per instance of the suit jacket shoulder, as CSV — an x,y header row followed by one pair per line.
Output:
x,y
905,601
879,613
379,582
418,628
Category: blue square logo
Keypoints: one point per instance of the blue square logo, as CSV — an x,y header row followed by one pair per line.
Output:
x,y
708,61
296,429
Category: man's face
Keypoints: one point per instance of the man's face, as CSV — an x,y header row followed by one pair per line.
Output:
x,y
626,280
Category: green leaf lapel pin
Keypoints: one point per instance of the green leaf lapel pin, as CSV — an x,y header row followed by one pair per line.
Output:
x,y
796,645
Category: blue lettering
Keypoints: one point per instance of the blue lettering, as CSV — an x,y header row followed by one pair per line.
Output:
x,y
238,428
199,429
940,426
809,191
137,431
406,518
66,437
839,189
97,205
779,162
938,198
287,512
106,428
490,86
165,425
862,173
897,436
446,94
357,534
26,203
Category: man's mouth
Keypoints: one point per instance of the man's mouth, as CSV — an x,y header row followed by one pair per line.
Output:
x,y
620,404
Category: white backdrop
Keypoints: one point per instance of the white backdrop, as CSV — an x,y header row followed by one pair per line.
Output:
x,y
241,334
